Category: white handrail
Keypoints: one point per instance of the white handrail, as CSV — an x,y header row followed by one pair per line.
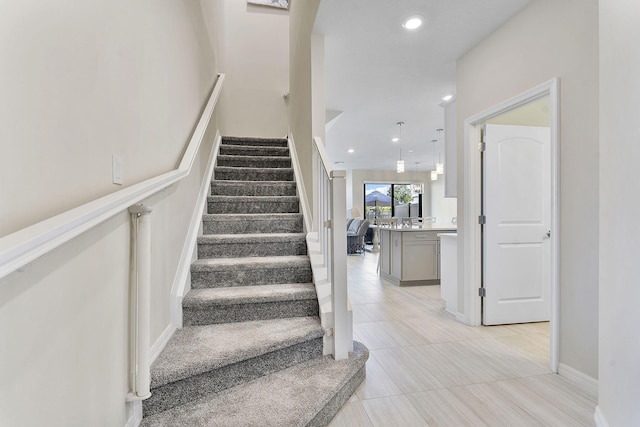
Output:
x,y
24,246
330,225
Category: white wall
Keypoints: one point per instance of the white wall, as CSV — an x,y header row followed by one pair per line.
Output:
x,y
552,38
302,15
255,60
444,209
81,81
619,381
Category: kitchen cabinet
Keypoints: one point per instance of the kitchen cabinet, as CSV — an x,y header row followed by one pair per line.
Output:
x,y
411,256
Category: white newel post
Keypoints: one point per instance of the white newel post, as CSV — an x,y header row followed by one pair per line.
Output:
x,y
343,342
140,343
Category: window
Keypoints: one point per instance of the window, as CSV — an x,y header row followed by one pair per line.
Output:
x,y
407,200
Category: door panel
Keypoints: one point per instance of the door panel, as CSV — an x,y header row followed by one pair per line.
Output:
x,y
517,206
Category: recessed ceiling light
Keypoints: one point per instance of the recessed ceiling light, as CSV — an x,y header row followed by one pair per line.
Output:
x,y
350,150
413,22
395,139
411,151
447,98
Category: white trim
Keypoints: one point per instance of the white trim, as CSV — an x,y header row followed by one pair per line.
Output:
x,y
135,410
182,280
580,379
161,342
599,418
302,193
472,192
24,246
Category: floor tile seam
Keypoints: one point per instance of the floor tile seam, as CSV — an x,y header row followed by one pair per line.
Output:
x,y
426,424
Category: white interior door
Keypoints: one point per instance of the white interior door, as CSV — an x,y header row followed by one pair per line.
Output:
x,y
516,235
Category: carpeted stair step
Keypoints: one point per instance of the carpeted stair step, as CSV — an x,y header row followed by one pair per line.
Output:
x,y
252,223
253,174
253,188
252,204
200,360
308,394
251,150
251,245
245,303
267,142
250,271
254,161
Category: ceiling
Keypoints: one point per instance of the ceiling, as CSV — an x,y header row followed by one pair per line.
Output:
x,y
377,73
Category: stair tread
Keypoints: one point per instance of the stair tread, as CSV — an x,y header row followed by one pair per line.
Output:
x,y
250,238
250,217
266,261
294,396
244,156
250,168
237,182
196,349
257,198
250,294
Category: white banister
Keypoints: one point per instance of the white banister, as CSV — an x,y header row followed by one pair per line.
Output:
x,y
24,246
330,229
140,303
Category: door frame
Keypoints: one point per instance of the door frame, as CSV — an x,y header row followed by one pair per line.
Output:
x,y
472,202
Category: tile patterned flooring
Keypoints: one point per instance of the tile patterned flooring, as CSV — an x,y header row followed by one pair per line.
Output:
x,y
426,369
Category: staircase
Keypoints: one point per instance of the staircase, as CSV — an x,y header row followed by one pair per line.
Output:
x,y
250,351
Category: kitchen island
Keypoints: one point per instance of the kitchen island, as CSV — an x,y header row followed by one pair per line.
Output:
x,y
411,255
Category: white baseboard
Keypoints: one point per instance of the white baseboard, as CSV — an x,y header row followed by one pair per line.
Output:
x,y
582,380
182,280
161,342
135,413
460,317
599,418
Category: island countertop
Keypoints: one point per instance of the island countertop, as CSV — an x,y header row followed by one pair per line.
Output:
x,y
418,228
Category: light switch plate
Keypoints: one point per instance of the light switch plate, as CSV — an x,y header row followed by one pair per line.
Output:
x,y
116,162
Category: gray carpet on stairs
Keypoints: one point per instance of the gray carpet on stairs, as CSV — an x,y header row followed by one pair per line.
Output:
x,y
250,351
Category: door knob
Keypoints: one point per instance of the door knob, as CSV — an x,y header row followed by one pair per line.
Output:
x,y
548,235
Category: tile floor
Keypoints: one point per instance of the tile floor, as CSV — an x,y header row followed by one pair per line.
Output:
x,y
426,369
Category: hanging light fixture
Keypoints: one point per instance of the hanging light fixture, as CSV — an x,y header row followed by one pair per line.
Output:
x,y
416,187
439,165
434,173
400,162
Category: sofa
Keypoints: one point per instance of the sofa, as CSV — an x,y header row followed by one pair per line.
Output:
x,y
356,230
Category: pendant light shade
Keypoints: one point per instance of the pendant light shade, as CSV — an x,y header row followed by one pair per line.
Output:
x,y
439,168
434,175
400,162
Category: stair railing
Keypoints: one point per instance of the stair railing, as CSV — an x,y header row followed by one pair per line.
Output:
x,y
330,224
23,247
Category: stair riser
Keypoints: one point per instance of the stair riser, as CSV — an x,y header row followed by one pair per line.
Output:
x,y
199,386
209,315
289,225
245,249
249,188
260,142
250,277
336,403
247,150
254,162
244,207
247,174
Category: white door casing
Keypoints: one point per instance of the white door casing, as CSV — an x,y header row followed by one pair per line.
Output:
x,y
516,236
469,235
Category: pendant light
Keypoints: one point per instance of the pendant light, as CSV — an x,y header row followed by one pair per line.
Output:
x,y
400,162
439,165
434,173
